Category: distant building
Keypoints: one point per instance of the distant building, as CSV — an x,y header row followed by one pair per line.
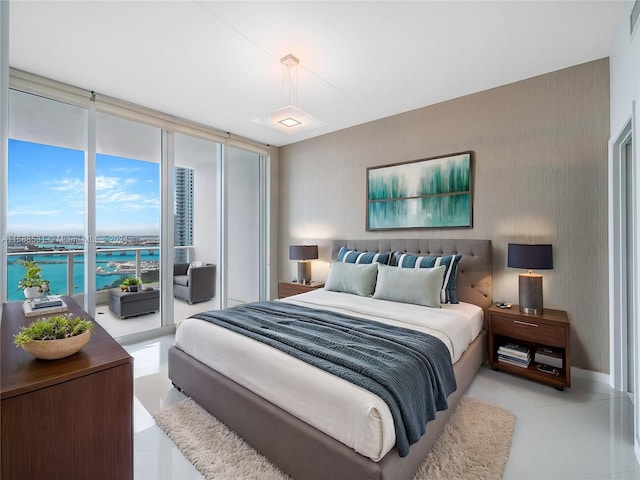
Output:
x,y
183,218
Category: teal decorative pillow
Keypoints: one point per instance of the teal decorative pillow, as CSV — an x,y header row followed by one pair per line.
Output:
x,y
420,286
450,262
352,278
353,256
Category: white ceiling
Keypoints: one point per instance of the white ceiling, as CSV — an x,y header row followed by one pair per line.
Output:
x,y
218,63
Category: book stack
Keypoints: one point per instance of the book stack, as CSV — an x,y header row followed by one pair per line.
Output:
x,y
514,355
43,305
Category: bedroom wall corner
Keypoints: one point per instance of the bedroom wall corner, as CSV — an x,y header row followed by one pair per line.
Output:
x,y
540,166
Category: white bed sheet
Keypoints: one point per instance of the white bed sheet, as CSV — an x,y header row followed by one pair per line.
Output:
x,y
346,412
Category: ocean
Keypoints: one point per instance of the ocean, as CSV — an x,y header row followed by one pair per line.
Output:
x,y
54,270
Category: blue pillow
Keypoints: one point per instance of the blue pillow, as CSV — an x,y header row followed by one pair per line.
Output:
x,y
448,294
352,256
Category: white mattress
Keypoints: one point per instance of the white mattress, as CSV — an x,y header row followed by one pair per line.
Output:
x,y
346,412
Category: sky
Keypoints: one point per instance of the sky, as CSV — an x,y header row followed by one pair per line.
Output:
x,y
46,193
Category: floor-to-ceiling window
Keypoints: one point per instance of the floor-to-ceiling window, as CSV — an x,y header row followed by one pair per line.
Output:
x,y
128,156
128,190
196,212
45,210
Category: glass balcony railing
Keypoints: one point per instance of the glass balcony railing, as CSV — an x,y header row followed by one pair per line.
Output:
x,y
64,269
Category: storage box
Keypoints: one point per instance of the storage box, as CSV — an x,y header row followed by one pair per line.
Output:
x,y
548,357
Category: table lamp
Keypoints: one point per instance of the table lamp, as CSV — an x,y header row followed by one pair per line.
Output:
x,y
530,257
303,253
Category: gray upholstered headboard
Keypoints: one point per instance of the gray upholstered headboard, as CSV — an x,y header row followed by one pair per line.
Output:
x,y
474,270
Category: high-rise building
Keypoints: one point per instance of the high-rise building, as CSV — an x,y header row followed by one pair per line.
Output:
x,y
183,215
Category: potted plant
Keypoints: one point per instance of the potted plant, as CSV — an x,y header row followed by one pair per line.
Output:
x,y
131,283
54,337
33,285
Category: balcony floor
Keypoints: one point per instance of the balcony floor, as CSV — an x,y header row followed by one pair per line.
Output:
x,y
118,327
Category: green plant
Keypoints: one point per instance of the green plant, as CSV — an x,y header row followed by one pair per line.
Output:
x,y
55,327
131,281
32,277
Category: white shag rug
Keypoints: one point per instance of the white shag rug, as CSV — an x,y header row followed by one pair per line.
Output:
x,y
474,445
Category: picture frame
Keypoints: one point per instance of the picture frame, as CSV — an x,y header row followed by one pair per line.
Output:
x,y
435,192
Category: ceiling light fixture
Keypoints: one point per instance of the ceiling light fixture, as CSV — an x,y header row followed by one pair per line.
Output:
x,y
290,119
290,122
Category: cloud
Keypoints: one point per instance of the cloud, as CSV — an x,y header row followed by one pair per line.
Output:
x,y
66,191
125,169
35,211
119,190
61,198
104,182
74,185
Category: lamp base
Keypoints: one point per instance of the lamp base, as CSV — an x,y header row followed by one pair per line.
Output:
x,y
304,272
530,295
532,311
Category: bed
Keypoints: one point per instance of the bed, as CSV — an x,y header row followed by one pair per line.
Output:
x,y
301,448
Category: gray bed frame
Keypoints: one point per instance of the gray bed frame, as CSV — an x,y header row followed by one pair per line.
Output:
x,y
304,452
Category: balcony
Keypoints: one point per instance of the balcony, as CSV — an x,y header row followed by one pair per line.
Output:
x,y
118,327
64,270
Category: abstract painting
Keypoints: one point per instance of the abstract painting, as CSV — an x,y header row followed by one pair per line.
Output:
x,y
428,193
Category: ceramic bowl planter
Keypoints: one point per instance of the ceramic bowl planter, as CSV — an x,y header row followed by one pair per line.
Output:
x,y
55,349
58,336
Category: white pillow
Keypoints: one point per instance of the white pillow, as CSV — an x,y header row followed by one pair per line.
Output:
x,y
420,286
194,265
356,278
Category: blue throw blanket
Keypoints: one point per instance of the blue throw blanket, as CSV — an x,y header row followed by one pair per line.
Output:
x,y
410,371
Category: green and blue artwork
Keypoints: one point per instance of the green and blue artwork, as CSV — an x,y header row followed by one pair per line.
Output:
x,y
429,193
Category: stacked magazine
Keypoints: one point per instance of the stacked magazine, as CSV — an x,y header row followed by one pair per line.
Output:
x,y
513,354
45,302
43,305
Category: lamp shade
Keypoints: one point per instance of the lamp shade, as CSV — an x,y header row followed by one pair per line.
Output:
x,y
303,252
530,257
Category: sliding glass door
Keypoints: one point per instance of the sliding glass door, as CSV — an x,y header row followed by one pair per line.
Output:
x,y
196,222
245,245
100,190
127,217
46,194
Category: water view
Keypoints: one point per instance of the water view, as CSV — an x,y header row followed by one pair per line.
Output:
x,y
46,213
113,264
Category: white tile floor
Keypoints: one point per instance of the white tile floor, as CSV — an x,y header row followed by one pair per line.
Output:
x,y
121,327
581,433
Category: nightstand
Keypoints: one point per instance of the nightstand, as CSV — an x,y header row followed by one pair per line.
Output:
x,y
287,289
552,329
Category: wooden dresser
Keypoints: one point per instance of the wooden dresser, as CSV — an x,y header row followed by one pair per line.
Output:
x,y
65,419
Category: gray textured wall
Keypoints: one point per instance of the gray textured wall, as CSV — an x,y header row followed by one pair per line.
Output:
x,y
540,154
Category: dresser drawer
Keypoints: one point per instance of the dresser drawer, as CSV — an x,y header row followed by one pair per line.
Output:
x,y
528,329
